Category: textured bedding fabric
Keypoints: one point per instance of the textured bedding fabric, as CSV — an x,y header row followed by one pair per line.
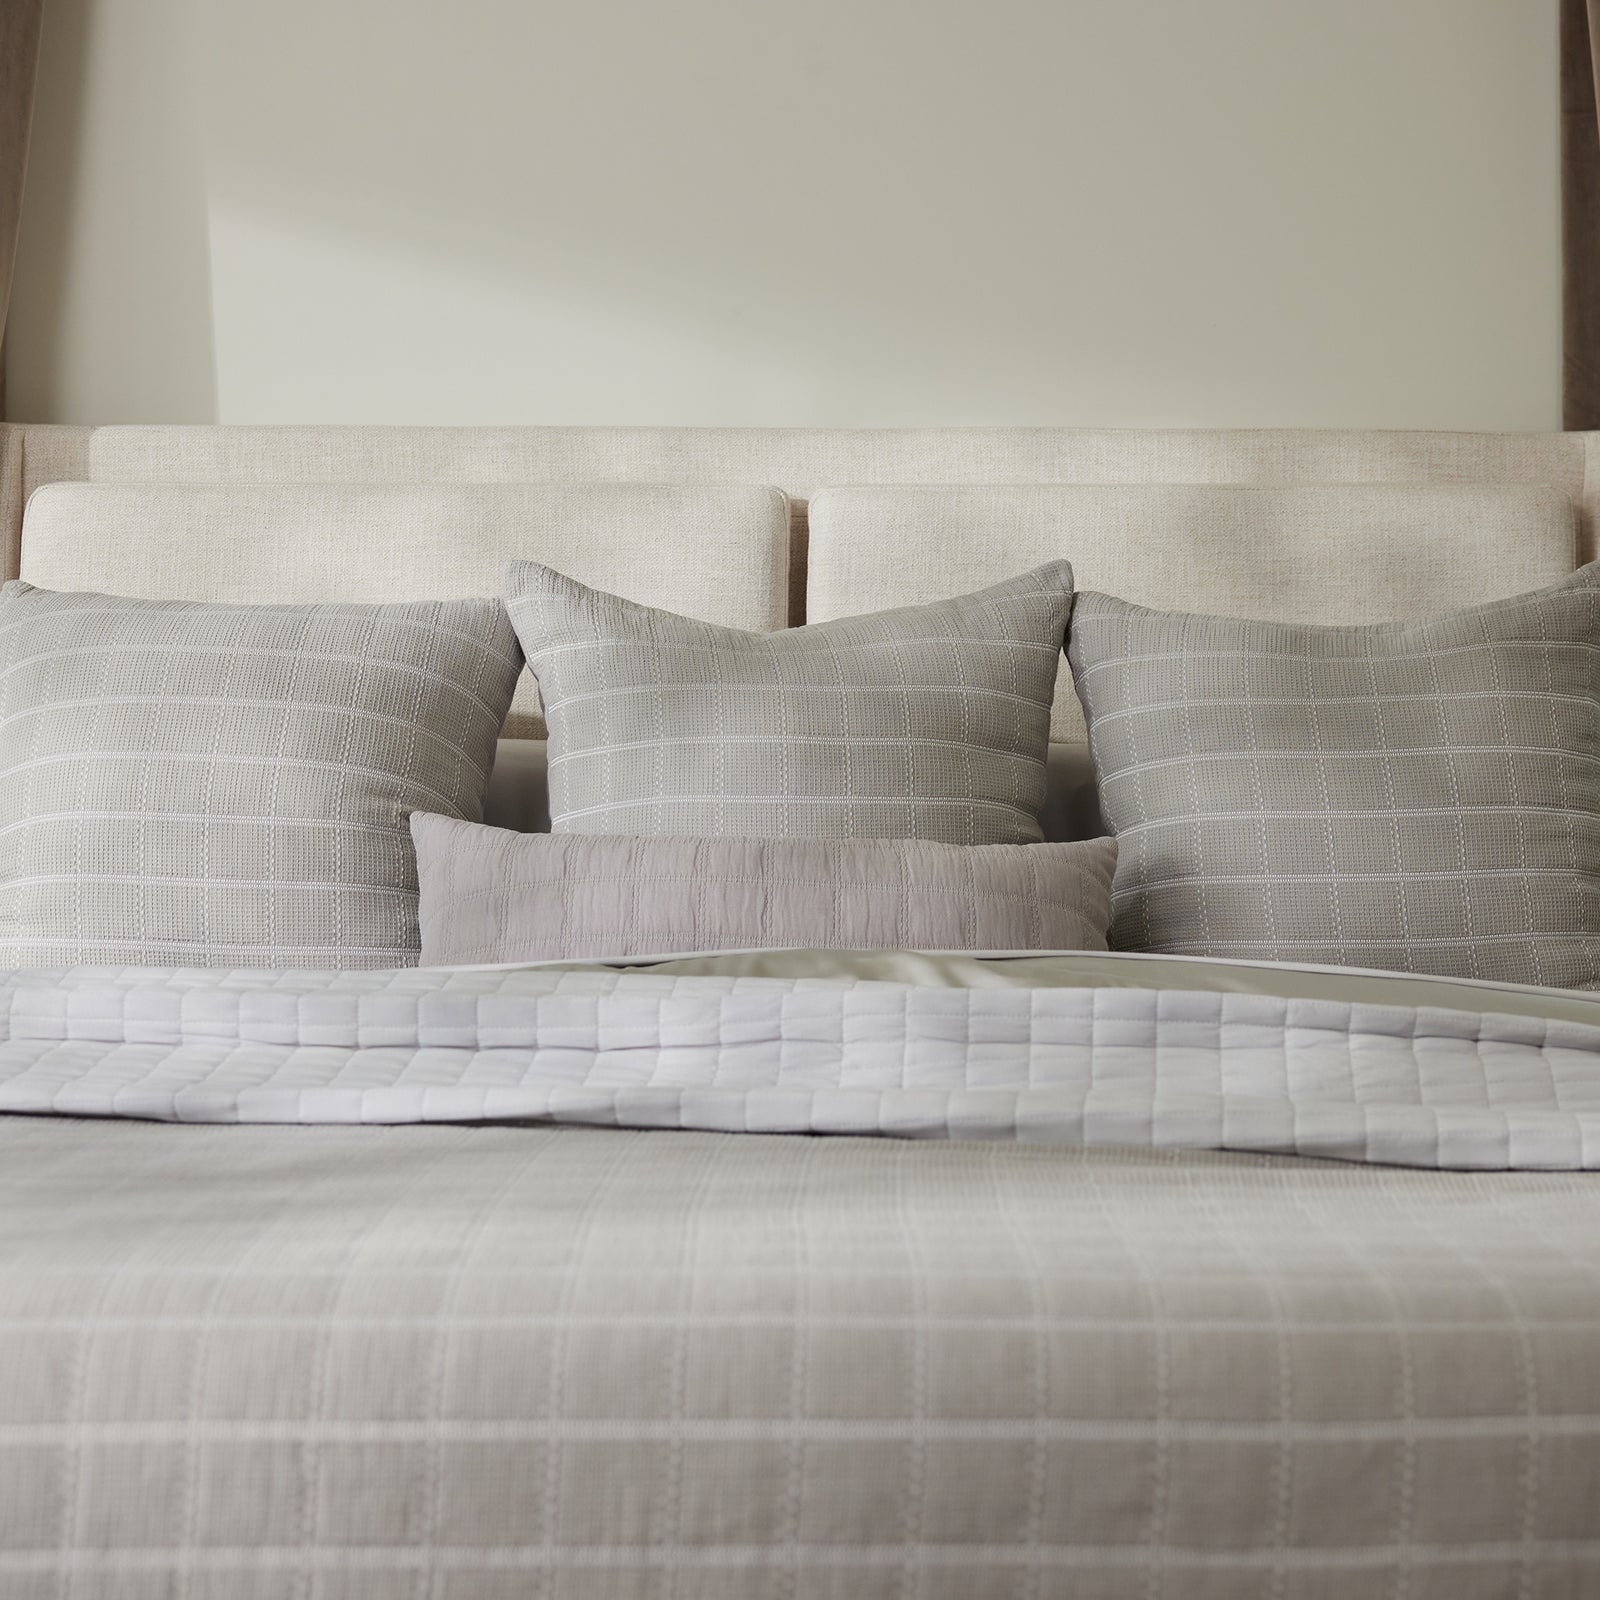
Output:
x,y
491,895
929,722
1422,795
519,793
1413,1085
226,785
262,1363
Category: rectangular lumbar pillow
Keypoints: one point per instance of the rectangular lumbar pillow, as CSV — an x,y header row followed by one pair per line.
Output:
x,y
185,784
491,895
929,722
1421,795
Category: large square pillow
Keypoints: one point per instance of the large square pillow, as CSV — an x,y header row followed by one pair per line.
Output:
x,y
186,784
929,722
1421,795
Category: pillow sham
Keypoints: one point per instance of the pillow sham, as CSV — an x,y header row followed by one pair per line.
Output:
x,y
490,895
229,785
929,722
1421,795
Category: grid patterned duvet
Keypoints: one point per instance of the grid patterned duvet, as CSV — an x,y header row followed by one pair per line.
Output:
x,y
480,1361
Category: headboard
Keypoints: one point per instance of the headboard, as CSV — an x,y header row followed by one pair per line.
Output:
x,y
1340,525
800,461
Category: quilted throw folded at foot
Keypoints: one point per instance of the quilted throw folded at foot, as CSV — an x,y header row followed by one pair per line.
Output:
x,y
1410,1085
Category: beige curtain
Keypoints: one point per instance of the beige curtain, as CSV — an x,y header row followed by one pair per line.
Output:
x,y
1580,214
19,54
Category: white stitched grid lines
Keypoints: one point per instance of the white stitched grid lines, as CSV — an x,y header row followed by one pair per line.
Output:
x,y
929,722
488,1362
230,785
1421,796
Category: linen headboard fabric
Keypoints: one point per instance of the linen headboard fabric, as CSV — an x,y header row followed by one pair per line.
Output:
x,y
304,543
800,461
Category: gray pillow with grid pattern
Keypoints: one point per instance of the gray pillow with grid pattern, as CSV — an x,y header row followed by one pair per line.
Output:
x,y
1422,796
929,722
185,784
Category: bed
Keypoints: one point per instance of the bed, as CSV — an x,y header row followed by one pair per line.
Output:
x,y
800,1273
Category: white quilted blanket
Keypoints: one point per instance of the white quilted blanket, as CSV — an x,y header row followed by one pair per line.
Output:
x,y
1128,1066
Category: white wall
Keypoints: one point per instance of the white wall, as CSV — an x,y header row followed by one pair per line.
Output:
x,y
897,212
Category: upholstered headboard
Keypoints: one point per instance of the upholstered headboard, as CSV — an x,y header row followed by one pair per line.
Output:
x,y
798,461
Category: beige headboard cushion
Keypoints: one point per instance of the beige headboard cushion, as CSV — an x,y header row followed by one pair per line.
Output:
x,y
715,552
798,460
1340,554
802,460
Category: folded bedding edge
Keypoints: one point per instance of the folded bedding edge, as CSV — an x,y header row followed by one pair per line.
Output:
x,y
835,1043
1033,969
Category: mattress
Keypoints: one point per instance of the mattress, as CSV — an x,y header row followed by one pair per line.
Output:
x,y
255,1352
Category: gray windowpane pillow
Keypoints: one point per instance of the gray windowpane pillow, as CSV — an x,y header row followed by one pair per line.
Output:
x,y
492,895
229,785
1422,796
929,722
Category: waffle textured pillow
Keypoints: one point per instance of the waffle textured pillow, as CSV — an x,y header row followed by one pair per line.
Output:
x,y
1422,796
929,722
492,895
230,785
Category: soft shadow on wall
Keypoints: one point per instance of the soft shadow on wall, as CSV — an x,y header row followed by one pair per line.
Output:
x,y
849,212
111,316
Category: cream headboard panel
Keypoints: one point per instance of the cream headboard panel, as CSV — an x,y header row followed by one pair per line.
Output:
x,y
716,552
1339,554
799,461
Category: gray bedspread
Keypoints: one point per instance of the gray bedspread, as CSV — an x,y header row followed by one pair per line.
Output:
x,y
470,1361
